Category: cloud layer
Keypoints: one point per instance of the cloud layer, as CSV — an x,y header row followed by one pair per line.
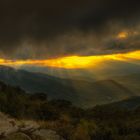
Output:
x,y
42,29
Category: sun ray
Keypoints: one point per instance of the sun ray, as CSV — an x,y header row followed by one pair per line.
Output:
x,y
75,62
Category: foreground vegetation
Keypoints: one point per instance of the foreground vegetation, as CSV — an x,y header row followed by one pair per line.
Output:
x,y
72,123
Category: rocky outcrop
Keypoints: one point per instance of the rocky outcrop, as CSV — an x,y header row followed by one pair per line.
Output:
x,y
11,129
45,134
17,136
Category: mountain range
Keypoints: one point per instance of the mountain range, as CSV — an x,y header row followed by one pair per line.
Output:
x,y
80,92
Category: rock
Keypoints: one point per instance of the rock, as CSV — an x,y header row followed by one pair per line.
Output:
x,y
6,125
11,129
17,136
46,134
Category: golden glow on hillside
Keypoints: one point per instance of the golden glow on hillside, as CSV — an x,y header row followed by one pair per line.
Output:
x,y
74,62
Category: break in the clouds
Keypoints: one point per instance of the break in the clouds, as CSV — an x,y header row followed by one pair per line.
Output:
x,y
42,28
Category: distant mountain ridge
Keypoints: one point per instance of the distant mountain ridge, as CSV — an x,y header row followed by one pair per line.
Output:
x,y
130,103
104,71
81,93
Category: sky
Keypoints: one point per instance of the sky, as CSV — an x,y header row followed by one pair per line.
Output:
x,y
60,33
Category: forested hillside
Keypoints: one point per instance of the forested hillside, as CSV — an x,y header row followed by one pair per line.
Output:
x,y
106,122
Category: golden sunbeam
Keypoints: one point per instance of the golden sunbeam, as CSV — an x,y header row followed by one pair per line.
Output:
x,y
74,62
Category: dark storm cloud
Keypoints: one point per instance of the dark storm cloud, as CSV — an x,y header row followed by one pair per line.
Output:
x,y
41,21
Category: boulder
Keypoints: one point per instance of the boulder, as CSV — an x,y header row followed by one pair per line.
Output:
x,y
46,134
